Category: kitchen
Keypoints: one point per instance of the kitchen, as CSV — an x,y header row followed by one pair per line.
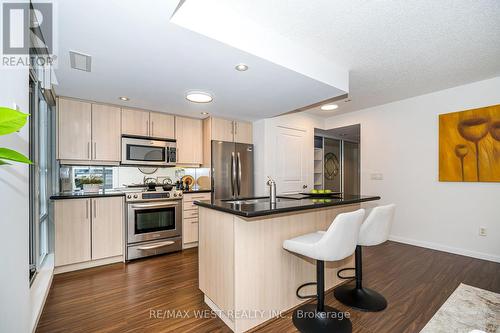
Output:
x,y
172,170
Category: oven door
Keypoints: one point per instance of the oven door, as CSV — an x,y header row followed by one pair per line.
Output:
x,y
150,221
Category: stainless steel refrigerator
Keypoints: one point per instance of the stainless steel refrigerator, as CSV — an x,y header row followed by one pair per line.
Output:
x,y
232,170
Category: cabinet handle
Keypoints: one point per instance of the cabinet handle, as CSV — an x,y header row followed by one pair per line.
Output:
x,y
95,150
235,128
87,209
95,208
88,150
147,126
152,128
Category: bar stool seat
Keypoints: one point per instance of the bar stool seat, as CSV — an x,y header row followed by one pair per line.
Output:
x,y
337,243
374,231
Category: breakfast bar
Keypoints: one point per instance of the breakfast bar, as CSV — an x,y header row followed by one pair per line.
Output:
x,y
246,276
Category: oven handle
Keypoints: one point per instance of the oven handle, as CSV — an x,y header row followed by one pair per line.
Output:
x,y
152,206
156,246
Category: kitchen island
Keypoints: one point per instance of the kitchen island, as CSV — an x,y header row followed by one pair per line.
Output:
x,y
246,276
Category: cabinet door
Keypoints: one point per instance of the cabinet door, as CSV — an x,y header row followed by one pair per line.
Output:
x,y
162,126
72,231
107,227
243,132
106,133
74,130
135,122
190,230
222,130
189,137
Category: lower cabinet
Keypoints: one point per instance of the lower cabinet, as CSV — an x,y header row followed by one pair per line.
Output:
x,y
190,218
88,230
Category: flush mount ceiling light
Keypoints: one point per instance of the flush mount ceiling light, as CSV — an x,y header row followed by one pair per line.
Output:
x,y
329,107
123,98
241,67
199,97
204,113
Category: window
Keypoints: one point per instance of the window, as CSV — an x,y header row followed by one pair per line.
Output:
x,y
41,114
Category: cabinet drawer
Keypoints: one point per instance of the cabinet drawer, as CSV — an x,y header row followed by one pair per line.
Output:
x,y
197,196
188,214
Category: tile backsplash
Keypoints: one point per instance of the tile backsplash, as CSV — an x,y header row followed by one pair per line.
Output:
x,y
116,177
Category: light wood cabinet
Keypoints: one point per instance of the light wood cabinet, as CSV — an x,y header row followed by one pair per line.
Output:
x,y
88,133
162,125
189,137
72,231
222,129
107,227
87,231
106,134
243,132
190,218
74,134
135,122
146,123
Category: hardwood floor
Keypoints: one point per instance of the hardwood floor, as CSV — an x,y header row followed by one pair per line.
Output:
x,y
136,297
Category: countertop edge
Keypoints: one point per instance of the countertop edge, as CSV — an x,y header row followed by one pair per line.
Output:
x,y
283,210
65,196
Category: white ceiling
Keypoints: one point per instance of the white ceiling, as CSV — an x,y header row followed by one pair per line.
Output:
x,y
137,53
393,49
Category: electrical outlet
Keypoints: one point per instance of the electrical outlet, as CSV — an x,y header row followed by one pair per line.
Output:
x,y
482,231
377,176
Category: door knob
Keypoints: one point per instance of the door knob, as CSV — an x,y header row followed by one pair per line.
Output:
x,y
304,186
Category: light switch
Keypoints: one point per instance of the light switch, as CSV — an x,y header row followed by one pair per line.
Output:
x,y
376,176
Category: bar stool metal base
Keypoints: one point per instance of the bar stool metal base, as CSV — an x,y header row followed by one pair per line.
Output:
x,y
307,319
363,299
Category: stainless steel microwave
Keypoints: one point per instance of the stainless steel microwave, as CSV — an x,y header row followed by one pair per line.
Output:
x,y
144,151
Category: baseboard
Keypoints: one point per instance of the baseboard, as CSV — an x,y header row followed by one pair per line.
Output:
x,y
444,248
39,290
87,264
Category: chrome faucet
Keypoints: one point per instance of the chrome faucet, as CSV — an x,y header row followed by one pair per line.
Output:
x,y
272,189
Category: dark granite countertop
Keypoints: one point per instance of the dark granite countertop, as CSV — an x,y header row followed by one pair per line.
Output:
x,y
197,191
82,195
261,206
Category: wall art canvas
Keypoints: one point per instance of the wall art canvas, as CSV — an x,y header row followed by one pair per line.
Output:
x,y
469,145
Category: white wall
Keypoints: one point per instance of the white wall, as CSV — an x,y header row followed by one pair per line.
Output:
x,y
14,186
400,140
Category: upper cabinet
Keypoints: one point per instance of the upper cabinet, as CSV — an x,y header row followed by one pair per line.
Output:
x,y
74,130
106,134
162,125
146,123
219,129
87,133
135,122
189,137
243,132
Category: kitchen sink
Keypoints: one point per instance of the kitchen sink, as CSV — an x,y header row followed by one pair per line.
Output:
x,y
253,201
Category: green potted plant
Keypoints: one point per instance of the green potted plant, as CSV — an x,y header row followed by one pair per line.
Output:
x,y
11,121
91,183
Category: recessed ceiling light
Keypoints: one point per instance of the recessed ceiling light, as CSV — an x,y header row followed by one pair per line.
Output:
x,y
199,97
329,107
123,98
241,67
204,113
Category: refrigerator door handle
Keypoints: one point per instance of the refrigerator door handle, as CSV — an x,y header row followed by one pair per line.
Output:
x,y
233,173
238,181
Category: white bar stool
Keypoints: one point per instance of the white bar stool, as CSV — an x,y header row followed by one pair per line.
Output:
x,y
374,231
337,243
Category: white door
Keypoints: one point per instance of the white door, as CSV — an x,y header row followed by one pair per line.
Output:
x,y
293,163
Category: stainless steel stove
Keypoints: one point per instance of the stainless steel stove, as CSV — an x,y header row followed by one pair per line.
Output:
x,y
153,222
